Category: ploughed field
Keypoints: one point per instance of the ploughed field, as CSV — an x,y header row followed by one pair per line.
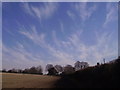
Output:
x,y
13,80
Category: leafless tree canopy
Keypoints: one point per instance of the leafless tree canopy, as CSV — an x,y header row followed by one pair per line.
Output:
x,y
59,68
48,66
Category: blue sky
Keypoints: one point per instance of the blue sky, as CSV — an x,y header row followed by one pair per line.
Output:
x,y
58,33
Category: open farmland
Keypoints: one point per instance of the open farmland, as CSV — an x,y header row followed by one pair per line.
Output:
x,y
11,80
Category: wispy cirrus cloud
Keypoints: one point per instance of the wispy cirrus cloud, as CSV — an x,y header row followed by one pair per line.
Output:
x,y
62,27
61,51
84,11
33,35
70,14
111,14
73,48
41,11
46,46
59,56
19,57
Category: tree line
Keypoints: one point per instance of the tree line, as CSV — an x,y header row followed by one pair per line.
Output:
x,y
32,70
50,69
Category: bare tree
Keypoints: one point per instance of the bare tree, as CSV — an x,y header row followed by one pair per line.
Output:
x,y
25,71
80,65
59,68
39,69
4,70
77,65
19,70
14,70
48,66
68,69
32,70
52,71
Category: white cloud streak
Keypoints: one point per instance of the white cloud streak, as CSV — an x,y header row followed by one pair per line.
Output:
x,y
71,14
74,48
39,39
34,36
111,14
42,11
62,27
63,52
19,57
84,11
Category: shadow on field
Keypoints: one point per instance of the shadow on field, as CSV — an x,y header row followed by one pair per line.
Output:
x,y
65,82
102,76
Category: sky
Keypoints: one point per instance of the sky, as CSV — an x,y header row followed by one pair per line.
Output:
x,y
58,33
